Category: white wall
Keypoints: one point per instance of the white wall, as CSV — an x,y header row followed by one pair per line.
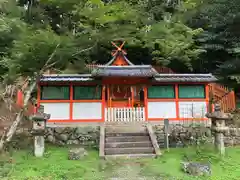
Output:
x,y
162,110
87,110
192,109
58,111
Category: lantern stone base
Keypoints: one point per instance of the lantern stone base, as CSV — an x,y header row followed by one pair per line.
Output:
x,y
39,146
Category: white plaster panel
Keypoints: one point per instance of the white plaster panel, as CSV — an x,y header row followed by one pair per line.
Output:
x,y
87,110
58,111
161,110
192,109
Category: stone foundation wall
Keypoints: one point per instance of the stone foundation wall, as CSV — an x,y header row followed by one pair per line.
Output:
x,y
180,135
232,137
87,136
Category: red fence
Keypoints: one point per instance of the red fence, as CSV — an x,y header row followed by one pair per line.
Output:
x,y
224,96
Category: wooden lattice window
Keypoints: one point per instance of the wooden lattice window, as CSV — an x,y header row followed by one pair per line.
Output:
x,y
87,92
161,91
55,92
191,91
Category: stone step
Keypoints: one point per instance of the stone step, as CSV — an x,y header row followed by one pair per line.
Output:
x,y
128,144
125,124
112,134
128,129
160,139
127,139
139,150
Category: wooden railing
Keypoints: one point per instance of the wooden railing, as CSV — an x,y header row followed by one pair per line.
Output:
x,y
125,114
224,96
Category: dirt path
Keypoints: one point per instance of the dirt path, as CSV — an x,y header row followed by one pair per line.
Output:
x,y
129,171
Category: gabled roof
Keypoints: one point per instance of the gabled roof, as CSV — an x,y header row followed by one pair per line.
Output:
x,y
120,69
124,71
145,70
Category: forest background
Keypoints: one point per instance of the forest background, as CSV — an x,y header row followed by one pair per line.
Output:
x,y
188,36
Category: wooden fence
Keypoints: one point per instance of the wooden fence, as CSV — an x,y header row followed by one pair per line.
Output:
x,y
224,96
136,114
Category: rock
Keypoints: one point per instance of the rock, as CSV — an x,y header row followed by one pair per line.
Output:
x,y
77,153
229,141
59,130
50,138
182,136
73,142
49,131
63,137
237,141
208,132
79,131
227,133
179,144
72,136
196,169
234,131
60,143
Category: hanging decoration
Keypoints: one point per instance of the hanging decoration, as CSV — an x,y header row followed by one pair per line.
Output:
x,y
120,92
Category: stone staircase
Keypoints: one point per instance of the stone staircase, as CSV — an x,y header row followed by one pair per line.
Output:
x,y
128,141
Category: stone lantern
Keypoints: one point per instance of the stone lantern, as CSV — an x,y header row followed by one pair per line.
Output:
x,y
38,131
218,119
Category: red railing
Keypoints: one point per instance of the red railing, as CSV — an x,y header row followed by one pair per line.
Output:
x,y
224,96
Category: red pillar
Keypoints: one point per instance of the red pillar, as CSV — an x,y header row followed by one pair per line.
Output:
x,y
20,98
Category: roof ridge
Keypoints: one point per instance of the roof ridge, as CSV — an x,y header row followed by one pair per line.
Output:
x,y
114,57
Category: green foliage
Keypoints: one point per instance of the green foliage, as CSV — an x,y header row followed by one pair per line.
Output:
x,y
219,20
187,35
73,24
23,165
172,40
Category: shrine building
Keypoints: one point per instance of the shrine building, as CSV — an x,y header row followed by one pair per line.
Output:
x,y
120,91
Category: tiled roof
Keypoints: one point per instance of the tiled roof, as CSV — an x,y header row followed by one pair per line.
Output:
x,y
124,71
65,77
137,71
185,78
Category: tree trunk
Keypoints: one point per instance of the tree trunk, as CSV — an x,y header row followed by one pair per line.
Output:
x,y
19,117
